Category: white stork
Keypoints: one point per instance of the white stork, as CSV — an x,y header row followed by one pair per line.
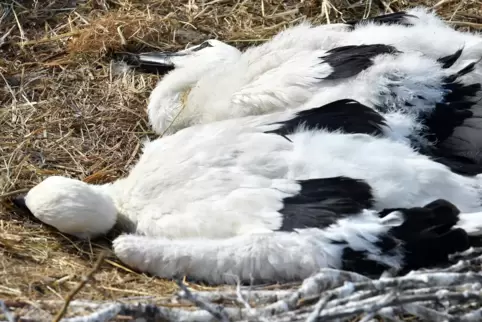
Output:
x,y
409,66
274,198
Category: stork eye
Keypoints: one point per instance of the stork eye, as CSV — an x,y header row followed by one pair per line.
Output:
x,y
203,45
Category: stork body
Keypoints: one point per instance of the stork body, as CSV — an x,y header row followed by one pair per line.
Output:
x,y
275,197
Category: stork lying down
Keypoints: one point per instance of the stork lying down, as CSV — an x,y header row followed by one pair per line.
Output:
x,y
413,65
275,198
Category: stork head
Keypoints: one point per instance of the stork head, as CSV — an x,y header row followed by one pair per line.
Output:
x,y
180,72
197,59
72,206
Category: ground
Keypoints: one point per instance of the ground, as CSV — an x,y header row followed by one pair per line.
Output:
x,y
65,110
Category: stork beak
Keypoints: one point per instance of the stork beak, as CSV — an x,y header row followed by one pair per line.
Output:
x,y
152,63
19,202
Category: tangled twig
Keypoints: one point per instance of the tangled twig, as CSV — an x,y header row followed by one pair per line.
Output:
x,y
443,294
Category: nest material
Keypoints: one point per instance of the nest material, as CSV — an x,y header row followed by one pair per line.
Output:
x,y
453,293
65,109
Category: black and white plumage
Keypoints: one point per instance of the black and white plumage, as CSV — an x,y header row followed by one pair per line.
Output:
x,y
274,197
410,66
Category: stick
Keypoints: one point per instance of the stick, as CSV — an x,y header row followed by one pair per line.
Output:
x,y
85,279
216,311
6,312
48,39
13,193
466,24
392,300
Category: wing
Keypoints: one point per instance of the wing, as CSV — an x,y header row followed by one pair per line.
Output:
x,y
403,239
277,83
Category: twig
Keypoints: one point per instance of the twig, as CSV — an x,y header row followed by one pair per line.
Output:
x,y
319,307
329,295
368,317
393,300
47,39
13,193
19,25
258,296
386,6
315,285
104,314
5,35
474,316
466,24
441,3
472,251
85,279
464,264
240,297
216,311
251,312
425,313
6,312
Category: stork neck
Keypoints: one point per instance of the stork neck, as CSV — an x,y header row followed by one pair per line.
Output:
x,y
114,191
168,100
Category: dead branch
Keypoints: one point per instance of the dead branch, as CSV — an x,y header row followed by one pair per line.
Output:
x,y
217,311
85,279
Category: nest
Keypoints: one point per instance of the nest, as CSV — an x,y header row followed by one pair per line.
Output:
x,y
66,110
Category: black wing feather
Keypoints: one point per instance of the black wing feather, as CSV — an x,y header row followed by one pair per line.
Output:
x,y
321,202
348,116
348,61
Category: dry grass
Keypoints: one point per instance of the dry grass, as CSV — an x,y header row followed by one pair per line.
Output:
x,y
65,111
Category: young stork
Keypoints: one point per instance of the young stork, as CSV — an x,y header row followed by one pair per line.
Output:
x,y
275,198
400,64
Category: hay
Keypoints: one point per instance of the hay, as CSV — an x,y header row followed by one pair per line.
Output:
x,y
64,110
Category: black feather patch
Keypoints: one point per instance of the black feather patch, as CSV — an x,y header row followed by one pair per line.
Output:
x,y
205,44
426,237
458,92
463,167
441,122
19,202
429,236
358,261
321,202
449,60
348,61
399,18
348,116
457,164
464,71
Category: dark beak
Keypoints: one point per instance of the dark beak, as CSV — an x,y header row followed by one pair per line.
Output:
x,y
19,202
159,63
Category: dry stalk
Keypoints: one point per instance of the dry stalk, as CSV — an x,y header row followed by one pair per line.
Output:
x,y
85,279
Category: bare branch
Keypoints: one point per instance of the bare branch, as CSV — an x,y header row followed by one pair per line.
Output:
x,y
216,310
85,279
6,312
